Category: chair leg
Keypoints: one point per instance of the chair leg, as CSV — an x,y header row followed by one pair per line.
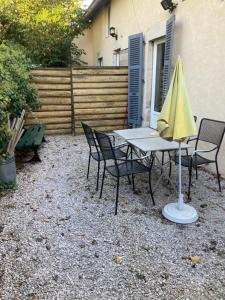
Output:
x,y
150,187
170,166
190,174
98,175
128,178
196,167
133,182
170,169
163,156
117,194
196,172
103,178
218,176
89,160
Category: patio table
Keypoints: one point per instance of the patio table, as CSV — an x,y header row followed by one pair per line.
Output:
x,y
135,133
140,139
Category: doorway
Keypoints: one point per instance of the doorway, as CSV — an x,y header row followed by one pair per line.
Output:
x,y
157,81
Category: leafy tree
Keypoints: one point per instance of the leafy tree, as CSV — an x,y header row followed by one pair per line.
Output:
x,y
46,28
16,89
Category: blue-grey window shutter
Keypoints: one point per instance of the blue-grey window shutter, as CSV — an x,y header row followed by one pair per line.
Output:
x,y
135,73
170,26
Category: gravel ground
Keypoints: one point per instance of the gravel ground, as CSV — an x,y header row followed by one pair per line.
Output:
x,y
58,240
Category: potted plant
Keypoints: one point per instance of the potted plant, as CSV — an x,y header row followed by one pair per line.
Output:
x,y
17,95
7,158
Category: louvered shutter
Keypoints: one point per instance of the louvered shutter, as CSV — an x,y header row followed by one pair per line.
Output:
x,y
135,71
170,26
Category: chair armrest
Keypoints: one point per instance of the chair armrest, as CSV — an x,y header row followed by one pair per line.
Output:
x,y
112,137
120,145
191,139
202,151
135,159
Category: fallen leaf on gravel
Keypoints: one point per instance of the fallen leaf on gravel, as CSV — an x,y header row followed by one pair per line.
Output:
x,y
94,242
62,220
82,245
3,206
118,259
194,259
2,194
46,219
7,237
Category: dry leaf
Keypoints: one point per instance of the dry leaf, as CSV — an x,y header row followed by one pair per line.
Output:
x,y
195,259
3,206
118,259
62,220
7,237
46,219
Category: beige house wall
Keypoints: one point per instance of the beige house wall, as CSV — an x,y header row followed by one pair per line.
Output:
x,y
199,40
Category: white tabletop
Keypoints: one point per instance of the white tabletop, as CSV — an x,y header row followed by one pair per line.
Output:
x,y
135,133
156,144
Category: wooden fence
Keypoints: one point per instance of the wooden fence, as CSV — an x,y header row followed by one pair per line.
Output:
x,y
100,97
95,95
54,90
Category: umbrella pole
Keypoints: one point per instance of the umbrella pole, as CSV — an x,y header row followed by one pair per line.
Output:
x,y
180,196
179,212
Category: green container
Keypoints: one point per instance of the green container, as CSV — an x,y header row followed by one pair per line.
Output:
x,y
8,170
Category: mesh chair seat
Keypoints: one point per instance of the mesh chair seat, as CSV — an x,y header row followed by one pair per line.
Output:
x,y
127,168
197,160
98,155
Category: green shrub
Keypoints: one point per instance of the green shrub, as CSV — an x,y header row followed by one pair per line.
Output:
x,y
16,89
46,28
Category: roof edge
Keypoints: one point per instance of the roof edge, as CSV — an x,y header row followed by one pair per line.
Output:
x,y
94,8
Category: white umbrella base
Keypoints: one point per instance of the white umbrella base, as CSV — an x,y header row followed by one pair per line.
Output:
x,y
186,215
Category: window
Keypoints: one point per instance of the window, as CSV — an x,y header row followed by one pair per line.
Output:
x,y
124,57
120,57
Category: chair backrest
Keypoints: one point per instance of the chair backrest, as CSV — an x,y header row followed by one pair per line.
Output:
x,y
89,135
211,131
105,146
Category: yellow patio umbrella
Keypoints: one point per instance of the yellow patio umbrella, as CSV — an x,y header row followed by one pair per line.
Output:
x,y
176,122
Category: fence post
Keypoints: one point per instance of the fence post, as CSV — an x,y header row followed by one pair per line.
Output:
x,y
72,103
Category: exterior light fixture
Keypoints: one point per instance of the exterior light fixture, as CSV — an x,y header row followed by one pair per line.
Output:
x,y
168,4
112,32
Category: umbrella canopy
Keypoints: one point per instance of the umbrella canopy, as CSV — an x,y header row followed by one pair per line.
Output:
x,y
176,119
176,122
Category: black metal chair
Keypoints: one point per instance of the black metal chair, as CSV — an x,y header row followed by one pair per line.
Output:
x,y
94,149
121,166
210,132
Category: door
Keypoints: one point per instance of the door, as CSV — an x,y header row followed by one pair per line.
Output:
x,y
157,81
